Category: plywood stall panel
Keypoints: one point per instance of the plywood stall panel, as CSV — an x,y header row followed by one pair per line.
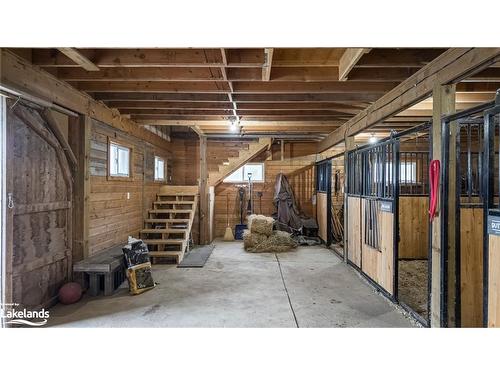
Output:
x,y
471,266
300,172
42,219
413,227
378,264
494,281
322,207
354,230
113,215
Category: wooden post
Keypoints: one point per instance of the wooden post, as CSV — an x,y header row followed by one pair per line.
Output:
x,y
349,145
79,140
443,104
204,210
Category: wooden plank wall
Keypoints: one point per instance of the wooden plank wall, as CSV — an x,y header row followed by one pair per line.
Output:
x,y
300,172
185,161
379,263
494,281
113,217
413,227
321,215
354,230
471,266
293,149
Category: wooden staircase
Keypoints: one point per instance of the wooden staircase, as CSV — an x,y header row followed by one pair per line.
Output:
x,y
254,148
168,226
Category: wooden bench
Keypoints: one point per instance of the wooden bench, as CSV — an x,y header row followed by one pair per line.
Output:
x,y
105,269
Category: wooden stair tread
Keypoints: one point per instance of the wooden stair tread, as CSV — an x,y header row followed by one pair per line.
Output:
x,y
166,221
174,202
164,230
167,241
169,211
175,195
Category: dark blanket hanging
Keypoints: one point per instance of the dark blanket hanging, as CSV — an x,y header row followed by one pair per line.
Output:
x,y
288,216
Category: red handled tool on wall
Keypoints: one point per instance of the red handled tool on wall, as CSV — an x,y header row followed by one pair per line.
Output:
x,y
434,170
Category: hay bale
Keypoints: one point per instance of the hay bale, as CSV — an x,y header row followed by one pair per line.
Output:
x,y
261,224
251,240
278,242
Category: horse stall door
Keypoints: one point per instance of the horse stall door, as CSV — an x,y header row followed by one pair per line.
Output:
x,y
39,222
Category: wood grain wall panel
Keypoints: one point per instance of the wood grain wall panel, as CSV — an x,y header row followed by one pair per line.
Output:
x,y
413,227
354,230
378,264
471,266
494,281
321,215
113,216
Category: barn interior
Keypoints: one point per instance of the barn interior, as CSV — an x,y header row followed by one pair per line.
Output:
x,y
174,146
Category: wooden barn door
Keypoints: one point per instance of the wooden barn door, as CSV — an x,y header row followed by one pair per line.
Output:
x,y
39,217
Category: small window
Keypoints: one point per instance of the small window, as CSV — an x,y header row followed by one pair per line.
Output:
x,y
159,169
119,160
241,174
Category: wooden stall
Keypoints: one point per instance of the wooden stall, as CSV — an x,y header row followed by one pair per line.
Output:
x,y
371,211
413,227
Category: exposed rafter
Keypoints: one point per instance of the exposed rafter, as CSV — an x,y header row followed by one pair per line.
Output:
x,y
268,61
80,59
349,59
452,66
224,74
306,85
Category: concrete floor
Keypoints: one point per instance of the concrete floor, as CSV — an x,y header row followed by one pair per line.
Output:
x,y
309,287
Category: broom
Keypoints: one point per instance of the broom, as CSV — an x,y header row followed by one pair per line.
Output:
x,y
228,236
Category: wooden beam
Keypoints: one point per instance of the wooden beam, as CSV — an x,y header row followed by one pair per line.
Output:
x,y
349,145
229,113
170,105
313,87
79,134
349,59
452,66
148,86
230,84
444,103
305,119
268,61
79,59
346,108
20,74
143,57
168,97
170,73
238,87
203,184
282,124
198,130
399,57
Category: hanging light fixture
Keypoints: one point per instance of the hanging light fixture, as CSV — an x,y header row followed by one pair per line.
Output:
x,y
233,125
373,139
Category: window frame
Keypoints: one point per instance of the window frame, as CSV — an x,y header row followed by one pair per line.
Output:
x,y
245,180
111,143
164,179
